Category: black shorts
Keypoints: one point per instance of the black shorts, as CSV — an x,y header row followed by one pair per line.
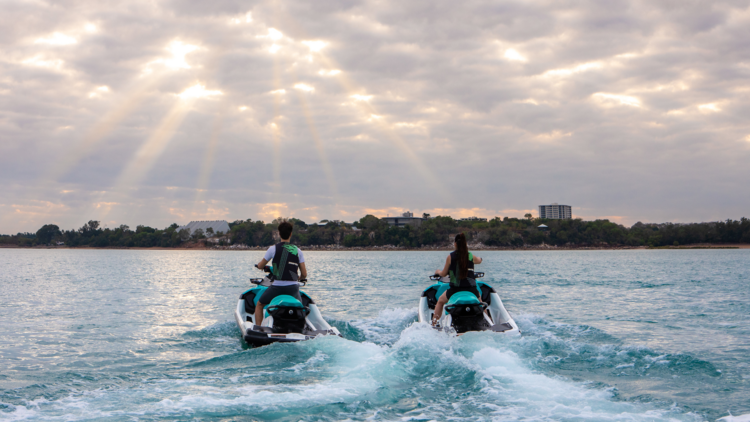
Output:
x,y
452,290
274,291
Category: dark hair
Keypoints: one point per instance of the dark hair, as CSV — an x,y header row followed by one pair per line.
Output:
x,y
463,256
285,229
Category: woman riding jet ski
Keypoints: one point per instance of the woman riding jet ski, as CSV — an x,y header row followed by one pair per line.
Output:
x,y
276,310
468,305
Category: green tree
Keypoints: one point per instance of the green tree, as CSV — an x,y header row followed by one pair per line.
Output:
x,y
427,237
184,234
298,223
47,233
370,222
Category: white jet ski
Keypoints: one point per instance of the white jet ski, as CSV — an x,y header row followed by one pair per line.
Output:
x,y
286,319
464,312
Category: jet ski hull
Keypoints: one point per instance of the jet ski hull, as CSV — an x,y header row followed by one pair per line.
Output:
x,y
265,334
496,319
263,338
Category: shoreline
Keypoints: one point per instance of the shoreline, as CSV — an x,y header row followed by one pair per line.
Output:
x,y
392,248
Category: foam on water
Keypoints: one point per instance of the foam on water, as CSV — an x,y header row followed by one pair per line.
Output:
x,y
386,328
414,373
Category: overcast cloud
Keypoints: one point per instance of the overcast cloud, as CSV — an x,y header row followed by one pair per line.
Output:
x,y
160,112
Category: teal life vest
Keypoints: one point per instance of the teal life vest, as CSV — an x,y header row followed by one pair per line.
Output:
x,y
286,262
470,280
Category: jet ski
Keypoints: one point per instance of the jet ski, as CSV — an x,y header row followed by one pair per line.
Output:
x,y
286,319
464,312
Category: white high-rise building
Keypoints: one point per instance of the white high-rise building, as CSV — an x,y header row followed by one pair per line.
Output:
x,y
556,212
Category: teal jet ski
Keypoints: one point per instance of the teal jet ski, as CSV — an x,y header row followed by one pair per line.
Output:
x,y
465,311
286,319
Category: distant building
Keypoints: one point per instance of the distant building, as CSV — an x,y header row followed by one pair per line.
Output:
x,y
217,240
406,218
217,226
556,212
477,219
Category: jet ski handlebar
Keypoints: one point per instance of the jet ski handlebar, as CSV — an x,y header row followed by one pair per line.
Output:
x,y
259,281
266,268
436,277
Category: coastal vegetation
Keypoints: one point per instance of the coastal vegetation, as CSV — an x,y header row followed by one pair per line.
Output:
x,y
371,231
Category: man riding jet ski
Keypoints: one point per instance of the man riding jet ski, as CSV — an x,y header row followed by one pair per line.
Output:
x,y
460,303
282,312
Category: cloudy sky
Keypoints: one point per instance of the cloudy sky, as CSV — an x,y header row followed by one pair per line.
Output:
x,y
153,112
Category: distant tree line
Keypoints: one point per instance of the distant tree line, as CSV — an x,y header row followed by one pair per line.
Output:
x,y
91,234
372,231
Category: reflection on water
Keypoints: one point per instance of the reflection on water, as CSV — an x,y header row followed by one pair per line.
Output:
x,y
607,334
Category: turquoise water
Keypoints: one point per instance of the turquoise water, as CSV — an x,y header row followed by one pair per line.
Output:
x,y
607,335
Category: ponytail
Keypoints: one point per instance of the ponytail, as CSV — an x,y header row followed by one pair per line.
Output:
x,y
463,256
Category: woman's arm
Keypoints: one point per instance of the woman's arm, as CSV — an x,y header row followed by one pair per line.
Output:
x,y
476,260
444,272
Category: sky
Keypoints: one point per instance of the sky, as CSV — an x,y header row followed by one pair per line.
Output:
x,y
146,112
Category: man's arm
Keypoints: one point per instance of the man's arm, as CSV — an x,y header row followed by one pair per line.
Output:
x,y
267,257
302,271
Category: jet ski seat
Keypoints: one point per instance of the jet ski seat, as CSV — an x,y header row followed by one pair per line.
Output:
x,y
251,298
434,292
463,298
285,301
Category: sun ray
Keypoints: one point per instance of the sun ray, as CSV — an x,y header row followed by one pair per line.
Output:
x,y
275,129
327,169
382,123
316,48
204,175
147,154
101,129
154,146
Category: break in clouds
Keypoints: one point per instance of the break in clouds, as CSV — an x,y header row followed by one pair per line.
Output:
x,y
160,112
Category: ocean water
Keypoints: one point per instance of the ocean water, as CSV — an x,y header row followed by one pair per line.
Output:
x,y
150,335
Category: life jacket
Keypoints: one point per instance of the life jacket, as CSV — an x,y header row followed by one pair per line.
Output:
x,y
470,280
286,262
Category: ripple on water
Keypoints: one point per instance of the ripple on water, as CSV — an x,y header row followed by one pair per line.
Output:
x,y
606,336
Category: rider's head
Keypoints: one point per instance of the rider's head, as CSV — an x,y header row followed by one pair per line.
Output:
x,y
285,230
